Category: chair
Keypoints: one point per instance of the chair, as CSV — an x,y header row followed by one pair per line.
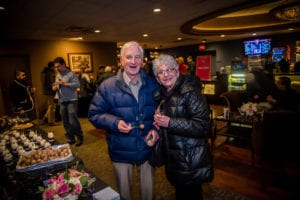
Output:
x,y
234,99
277,142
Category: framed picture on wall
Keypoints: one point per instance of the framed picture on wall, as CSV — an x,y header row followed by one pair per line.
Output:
x,y
79,60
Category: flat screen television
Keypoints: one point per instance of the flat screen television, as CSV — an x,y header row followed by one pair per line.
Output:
x,y
257,46
277,53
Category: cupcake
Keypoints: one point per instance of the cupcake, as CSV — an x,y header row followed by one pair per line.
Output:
x,y
27,144
16,134
47,145
33,146
50,137
21,150
23,138
42,142
14,147
3,142
8,158
31,134
13,140
6,138
3,150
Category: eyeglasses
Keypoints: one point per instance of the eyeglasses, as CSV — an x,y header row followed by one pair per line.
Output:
x,y
168,71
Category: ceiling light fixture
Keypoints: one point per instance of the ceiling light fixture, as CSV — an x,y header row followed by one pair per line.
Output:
x,y
288,12
156,10
97,31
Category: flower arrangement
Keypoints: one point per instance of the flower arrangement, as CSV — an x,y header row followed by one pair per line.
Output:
x,y
68,185
249,108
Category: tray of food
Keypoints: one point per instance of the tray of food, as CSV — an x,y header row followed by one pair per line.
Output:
x,y
44,158
22,126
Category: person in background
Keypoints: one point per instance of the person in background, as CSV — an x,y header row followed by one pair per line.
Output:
x,y
258,85
48,79
85,92
297,67
100,71
182,66
21,95
106,74
238,64
284,63
191,65
148,67
122,105
285,98
269,64
66,83
185,123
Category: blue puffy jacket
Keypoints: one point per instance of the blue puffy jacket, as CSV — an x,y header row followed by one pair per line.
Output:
x,y
114,101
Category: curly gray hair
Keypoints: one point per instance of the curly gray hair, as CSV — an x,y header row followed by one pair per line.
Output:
x,y
164,59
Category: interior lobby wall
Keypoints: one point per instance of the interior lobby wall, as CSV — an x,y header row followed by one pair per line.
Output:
x,y
41,52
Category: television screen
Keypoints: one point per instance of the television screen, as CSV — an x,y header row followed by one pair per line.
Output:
x,y
257,46
277,53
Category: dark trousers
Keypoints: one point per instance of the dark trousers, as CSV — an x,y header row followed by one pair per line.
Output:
x,y
191,192
68,111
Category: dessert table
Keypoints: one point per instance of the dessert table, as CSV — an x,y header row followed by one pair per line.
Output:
x,y
23,184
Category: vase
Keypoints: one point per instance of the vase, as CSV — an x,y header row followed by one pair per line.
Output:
x,y
68,197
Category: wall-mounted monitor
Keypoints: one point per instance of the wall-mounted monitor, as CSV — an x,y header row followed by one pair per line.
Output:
x,y
277,53
257,46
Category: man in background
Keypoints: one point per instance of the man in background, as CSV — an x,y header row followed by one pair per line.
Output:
x,y
191,65
66,83
21,95
48,78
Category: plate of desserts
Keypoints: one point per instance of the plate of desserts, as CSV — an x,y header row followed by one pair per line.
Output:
x,y
43,158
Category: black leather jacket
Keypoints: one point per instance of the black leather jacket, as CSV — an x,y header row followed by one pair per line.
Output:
x,y
189,160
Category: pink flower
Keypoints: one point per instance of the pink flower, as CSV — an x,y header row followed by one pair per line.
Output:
x,y
48,194
78,189
63,190
68,183
60,178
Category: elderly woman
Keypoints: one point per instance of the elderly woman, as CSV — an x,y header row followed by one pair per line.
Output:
x,y
184,123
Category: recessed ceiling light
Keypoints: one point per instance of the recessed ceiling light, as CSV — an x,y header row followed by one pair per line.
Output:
x,y
145,35
179,38
76,38
97,31
253,33
156,10
2,8
222,35
290,29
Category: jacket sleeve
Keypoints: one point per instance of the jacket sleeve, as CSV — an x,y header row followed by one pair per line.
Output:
x,y
196,119
98,113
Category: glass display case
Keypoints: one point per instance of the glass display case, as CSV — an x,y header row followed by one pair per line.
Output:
x,y
237,81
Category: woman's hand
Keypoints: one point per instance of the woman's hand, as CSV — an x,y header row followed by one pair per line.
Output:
x,y
161,120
